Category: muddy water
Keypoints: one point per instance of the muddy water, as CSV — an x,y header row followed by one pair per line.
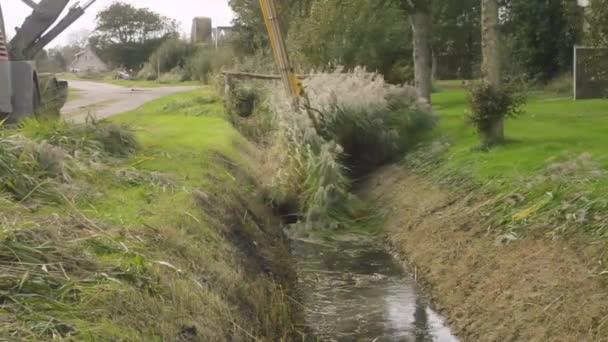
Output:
x,y
359,292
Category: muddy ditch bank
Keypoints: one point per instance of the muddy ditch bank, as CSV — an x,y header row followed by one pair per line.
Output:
x,y
534,289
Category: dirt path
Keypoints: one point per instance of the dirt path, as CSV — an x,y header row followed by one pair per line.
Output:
x,y
103,100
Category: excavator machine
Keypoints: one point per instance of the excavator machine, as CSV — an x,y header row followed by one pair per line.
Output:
x,y
23,92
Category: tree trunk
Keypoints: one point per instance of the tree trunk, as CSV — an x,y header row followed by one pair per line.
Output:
x,y
421,26
490,68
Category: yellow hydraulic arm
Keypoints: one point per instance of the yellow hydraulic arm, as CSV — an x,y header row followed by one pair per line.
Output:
x,y
292,83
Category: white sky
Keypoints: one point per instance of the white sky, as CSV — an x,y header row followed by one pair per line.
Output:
x,y
184,11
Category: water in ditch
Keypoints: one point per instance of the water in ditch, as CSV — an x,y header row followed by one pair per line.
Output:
x,y
357,291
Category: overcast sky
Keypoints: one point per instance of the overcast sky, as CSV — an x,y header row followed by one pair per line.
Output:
x,y
184,11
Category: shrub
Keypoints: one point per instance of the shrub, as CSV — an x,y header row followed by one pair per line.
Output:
x,y
171,54
171,77
491,105
361,123
242,100
561,85
147,73
208,60
200,66
372,122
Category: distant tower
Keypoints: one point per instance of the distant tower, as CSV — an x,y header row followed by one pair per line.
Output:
x,y
201,30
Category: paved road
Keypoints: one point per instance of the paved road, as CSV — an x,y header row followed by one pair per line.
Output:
x,y
102,100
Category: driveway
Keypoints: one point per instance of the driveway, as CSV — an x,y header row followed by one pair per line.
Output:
x,y
102,100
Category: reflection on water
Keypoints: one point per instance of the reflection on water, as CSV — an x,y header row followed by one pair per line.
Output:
x,y
358,292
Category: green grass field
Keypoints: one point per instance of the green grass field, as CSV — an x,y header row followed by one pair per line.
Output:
x,y
551,173
550,127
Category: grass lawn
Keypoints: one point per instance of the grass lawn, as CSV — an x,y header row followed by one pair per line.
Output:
x,y
550,127
552,173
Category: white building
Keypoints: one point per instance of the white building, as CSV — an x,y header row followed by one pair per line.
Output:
x,y
87,61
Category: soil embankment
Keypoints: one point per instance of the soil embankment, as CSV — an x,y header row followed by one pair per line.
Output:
x,y
534,289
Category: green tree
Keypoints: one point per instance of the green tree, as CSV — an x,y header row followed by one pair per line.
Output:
x,y
373,33
598,22
542,35
455,39
50,61
57,60
127,36
358,32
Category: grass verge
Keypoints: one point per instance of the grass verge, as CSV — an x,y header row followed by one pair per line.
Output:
x,y
549,179
166,242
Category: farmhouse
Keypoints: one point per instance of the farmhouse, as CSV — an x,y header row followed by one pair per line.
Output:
x,y
87,61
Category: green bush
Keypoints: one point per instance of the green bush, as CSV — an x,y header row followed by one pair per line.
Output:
x,y
208,60
171,54
242,100
561,85
370,138
147,73
361,123
490,105
200,66
249,109
172,77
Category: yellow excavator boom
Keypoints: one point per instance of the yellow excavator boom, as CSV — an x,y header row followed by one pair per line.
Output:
x,y
293,85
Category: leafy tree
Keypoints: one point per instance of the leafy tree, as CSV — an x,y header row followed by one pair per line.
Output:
x,y
50,61
250,36
358,32
77,41
455,38
57,60
598,22
127,36
543,34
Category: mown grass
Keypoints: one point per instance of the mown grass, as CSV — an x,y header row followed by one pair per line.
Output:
x,y
550,127
164,243
551,175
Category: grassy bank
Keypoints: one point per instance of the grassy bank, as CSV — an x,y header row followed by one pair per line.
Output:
x,y
169,242
551,173
510,243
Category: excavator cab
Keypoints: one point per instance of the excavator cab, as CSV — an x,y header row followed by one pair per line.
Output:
x,y
22,91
